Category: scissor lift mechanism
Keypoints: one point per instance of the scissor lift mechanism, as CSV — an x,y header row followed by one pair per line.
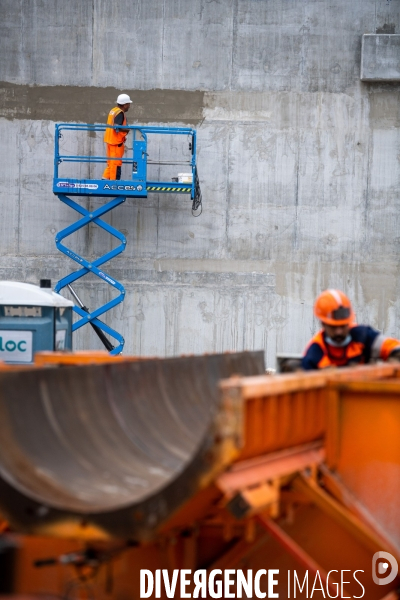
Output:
x,y
137,187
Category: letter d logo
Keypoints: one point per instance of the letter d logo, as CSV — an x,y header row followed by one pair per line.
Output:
x,y
383,568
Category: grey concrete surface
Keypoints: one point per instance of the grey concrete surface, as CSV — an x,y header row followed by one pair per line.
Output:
x,y
298,160
380,57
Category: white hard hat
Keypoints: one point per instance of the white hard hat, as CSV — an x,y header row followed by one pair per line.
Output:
x,y
124,99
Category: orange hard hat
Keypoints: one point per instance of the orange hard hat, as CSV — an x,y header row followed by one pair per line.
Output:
x,y
333,308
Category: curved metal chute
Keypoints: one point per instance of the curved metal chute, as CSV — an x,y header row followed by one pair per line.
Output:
x,y
112,450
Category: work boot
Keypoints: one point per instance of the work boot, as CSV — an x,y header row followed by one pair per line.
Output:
x,y
118,175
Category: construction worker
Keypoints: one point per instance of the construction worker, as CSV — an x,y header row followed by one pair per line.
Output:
x,y
342,342
115,138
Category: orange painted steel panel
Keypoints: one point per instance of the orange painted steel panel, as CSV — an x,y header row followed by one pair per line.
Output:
x,y
359,530
269,467
279,412
198,507
364,448
297,552
267,385
82,357
335,487
291,409
333,547
237,552
366,372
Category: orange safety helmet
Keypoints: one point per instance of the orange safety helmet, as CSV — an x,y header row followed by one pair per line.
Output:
x,y
332,307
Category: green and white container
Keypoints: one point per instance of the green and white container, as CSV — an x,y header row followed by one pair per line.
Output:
x,y
32,319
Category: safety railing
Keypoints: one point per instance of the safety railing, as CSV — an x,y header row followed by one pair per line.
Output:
x,y
138,185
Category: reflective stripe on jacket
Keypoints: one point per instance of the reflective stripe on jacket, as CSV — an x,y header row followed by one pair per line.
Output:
x,y
112,136
366,344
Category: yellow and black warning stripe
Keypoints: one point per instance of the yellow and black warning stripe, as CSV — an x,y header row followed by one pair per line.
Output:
x,y
168,189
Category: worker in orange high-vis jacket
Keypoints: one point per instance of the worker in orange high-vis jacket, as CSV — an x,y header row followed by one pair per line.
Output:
x,y
115,138
341,342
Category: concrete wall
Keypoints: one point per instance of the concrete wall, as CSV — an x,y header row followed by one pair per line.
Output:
x,y
298,159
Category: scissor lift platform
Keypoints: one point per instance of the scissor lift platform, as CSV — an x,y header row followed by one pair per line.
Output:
x,y
117,192
137,187
105,188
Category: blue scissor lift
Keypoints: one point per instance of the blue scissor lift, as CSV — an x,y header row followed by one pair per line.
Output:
x,y
115,193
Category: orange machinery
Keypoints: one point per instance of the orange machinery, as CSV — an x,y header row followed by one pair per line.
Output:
x,y
117,465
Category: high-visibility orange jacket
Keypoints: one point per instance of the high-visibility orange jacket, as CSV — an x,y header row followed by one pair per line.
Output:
x,y
112,136
366,344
